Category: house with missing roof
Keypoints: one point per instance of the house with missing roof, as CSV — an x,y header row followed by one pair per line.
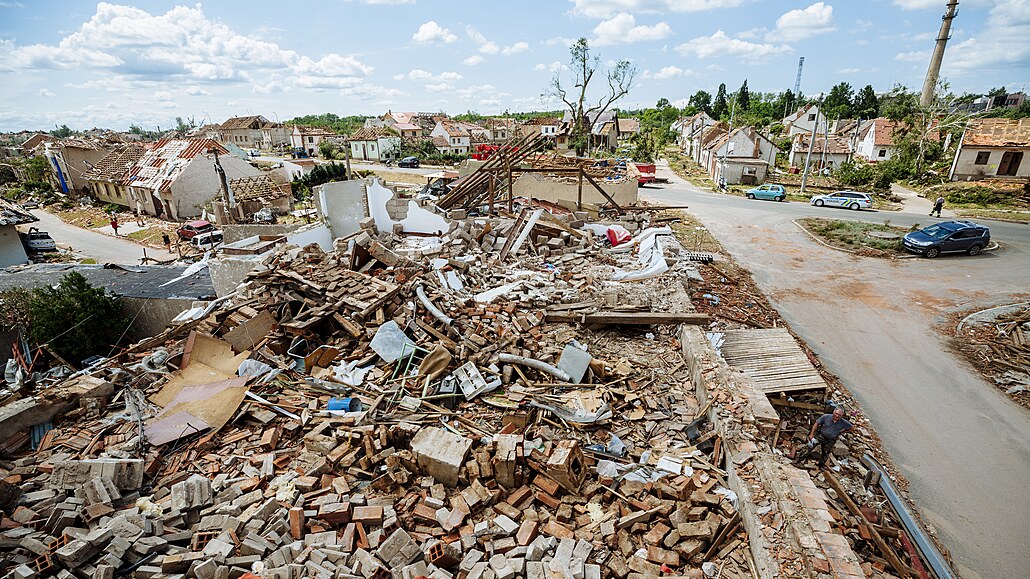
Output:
x,y
177,178
994,148
829,151
71,158
106,179
805,120
251,194
546,126
688,133
254,131
741,156
308,138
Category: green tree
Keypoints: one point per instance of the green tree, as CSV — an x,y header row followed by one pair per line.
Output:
x,y
899,103
327,149
721,106
584,66
839,102
998,91
61,132
74,319
867,106
743,98
702,101
186,126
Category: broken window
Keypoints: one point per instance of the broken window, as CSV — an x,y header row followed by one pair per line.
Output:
x,y
882,153
982,157
811,117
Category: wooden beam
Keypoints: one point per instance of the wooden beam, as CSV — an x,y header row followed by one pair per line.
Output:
x,y
628,318
600,190
776,401
881,545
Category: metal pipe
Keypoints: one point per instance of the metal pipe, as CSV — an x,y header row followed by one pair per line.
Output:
x,y
437,313
535,364
927,549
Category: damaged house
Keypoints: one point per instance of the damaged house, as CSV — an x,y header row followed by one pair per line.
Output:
x,y
742,156
254,131
106,179
993,148
177,178
375,143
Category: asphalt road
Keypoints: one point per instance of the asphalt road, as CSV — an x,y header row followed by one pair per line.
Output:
x,y
964,446
103,248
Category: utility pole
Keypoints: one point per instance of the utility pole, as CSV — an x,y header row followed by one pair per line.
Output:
x,y
726,150
826,139
811,144
932,73
223,185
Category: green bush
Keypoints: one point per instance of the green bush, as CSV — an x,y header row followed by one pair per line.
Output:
x,y
976,195
75,319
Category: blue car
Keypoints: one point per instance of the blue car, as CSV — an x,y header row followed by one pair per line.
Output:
x,y
767,191
948,237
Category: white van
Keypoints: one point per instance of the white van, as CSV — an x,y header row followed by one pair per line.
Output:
x,y
209,240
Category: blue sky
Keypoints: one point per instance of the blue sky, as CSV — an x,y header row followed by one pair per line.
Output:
x,y
145,62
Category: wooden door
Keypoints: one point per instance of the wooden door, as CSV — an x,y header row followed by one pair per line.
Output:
x,y
1006,160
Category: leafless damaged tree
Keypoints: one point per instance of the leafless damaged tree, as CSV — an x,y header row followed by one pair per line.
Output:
x,y
584,112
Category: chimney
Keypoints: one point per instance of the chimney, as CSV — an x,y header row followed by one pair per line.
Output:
x,y
934,72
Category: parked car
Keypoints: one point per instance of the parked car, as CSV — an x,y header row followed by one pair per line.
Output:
x,y
850,199
408,162
207,240
948,237
767,191
193,228
36,241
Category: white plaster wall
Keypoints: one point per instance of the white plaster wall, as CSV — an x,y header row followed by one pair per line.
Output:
x,y
198,183
342,204
565,194
12,252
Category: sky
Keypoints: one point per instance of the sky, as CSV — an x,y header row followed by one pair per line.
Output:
x,y
146,62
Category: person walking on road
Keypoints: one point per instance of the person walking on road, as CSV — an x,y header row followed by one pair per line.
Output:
x,y
825,432
937,206
167,241
114,225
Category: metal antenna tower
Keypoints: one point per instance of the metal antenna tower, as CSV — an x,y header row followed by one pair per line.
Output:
x,y
797,87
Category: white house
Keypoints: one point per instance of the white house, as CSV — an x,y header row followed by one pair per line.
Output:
x,y
451,137
688,132
374,144
993,148
876,139
546,126
12,252
177,178
805,120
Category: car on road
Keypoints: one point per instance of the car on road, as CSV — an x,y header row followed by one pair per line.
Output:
x,y
767,191
850,199
408,162
193,228
36,241
948,237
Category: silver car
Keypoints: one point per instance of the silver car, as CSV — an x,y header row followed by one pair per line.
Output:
x,y
850,199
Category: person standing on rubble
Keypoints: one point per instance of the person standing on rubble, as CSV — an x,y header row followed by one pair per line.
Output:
x,y
825,432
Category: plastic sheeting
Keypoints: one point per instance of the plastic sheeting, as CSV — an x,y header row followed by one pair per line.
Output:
x,y
651,258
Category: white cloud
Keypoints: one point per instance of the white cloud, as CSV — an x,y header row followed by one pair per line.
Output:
x,y
560,41
622,28
131,47
433,33
419,75
719,44
473,60
608,8
399,76
438,87
485,94
913,56
516,48
486,46
669,72
848,70
45,92
1001,45
553,67
918,4
803,23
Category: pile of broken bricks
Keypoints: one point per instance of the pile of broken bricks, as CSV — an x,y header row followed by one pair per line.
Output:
x,y
604,468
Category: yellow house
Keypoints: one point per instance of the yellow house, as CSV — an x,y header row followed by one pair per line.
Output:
x,y
106,179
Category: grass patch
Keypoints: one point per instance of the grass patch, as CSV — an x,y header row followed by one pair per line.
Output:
x,y
854,235
1007,214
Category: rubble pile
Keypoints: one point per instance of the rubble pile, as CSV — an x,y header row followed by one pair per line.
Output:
x,y
1001,350
477,404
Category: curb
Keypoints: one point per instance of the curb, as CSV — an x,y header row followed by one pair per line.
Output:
x,y
841,249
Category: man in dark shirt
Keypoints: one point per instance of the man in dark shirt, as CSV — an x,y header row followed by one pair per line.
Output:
x,y
825,432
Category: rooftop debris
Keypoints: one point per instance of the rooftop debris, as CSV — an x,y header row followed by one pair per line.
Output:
x,y
455,405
